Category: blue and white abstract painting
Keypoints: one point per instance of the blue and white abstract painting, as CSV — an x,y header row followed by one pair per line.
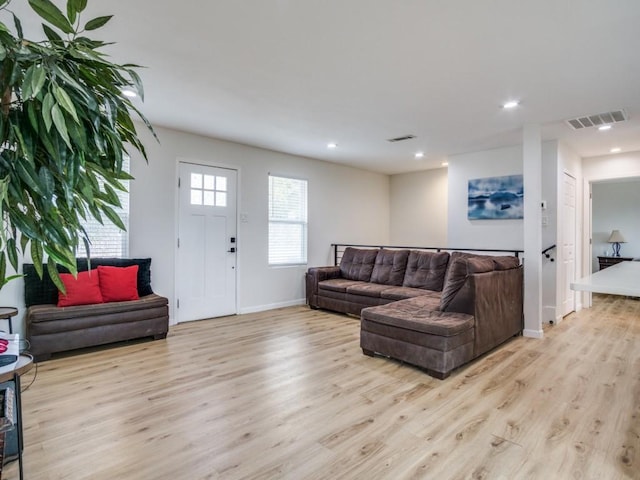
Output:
x,y
496,198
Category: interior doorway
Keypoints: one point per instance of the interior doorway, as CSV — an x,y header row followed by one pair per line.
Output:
x,y
207,247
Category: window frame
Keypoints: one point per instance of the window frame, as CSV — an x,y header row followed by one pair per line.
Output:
x,y
303,222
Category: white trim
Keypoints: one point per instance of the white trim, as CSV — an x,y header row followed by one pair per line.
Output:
x,y
176,226
549,314
587,226
533,333
273,306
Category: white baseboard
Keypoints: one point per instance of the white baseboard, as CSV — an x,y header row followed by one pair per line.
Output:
x,y
549,314
532,333
272,306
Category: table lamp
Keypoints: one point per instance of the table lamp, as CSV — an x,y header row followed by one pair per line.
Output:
x,y
616,238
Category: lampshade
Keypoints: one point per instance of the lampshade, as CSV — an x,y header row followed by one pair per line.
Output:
x,y
616,237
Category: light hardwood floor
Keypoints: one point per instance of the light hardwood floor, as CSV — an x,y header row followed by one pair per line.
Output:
x,y
288,394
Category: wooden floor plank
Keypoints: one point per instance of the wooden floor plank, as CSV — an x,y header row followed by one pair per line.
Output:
x,y
288,394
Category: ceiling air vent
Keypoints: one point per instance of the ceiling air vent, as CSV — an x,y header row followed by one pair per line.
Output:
x,y
606,118
402,138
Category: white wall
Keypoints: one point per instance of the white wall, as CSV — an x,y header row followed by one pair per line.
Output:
x,y
346,205
419,208
490,234
615,206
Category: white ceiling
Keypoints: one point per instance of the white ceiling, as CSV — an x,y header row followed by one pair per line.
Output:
x,y
293,75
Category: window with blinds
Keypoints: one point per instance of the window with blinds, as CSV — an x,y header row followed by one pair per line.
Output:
x,y
287,221
107,240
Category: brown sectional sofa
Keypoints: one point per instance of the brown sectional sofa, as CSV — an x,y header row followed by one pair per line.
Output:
x,y
52,329
434,310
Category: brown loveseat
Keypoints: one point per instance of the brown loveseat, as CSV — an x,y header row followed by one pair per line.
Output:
x,y
52,329
434,310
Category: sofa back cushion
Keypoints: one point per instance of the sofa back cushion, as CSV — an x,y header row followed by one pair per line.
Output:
x,y
81,290
357,263
40,291
390,266
461,265
426,270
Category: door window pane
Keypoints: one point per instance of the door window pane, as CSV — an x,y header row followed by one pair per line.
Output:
x,y
196,180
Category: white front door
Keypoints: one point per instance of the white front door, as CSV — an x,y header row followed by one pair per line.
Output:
x,y
206,260
568,244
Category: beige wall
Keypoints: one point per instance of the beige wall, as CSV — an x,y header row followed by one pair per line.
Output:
x,y
419,209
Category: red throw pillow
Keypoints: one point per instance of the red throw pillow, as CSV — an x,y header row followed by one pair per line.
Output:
x,y
118,284
83,290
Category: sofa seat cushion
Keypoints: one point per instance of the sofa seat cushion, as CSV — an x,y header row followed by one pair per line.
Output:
x,y
367,289
50,312
402,293
417,314
337,284
410,337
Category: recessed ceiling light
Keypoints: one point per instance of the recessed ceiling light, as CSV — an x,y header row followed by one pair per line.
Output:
x,y
332,145
615,150
129,93
602,128
511,104
445,164
419,155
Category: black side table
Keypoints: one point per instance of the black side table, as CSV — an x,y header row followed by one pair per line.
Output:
x,y
6,313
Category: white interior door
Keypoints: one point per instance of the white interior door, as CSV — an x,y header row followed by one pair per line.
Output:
x,y
206,260
568,244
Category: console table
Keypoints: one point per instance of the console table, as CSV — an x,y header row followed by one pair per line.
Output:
x,y
610,261
6,313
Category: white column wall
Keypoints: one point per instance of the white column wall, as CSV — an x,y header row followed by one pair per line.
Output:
x,y
532,166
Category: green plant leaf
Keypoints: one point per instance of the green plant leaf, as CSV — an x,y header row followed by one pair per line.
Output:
x,y
12,253
52,14
97,22
33,116
33,82
61,126
18,24
113,216
51,34
78,5
72,13
52,270
3,266
65,101
47,181
47,105
137,82
24,241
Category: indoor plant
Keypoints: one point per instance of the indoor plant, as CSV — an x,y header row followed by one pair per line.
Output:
x,y
64,124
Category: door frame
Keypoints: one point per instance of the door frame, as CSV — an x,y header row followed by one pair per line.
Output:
x,y
176,223
561,274
587,225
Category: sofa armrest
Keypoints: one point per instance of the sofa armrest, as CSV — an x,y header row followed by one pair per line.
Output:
x,y
495,299
313,277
